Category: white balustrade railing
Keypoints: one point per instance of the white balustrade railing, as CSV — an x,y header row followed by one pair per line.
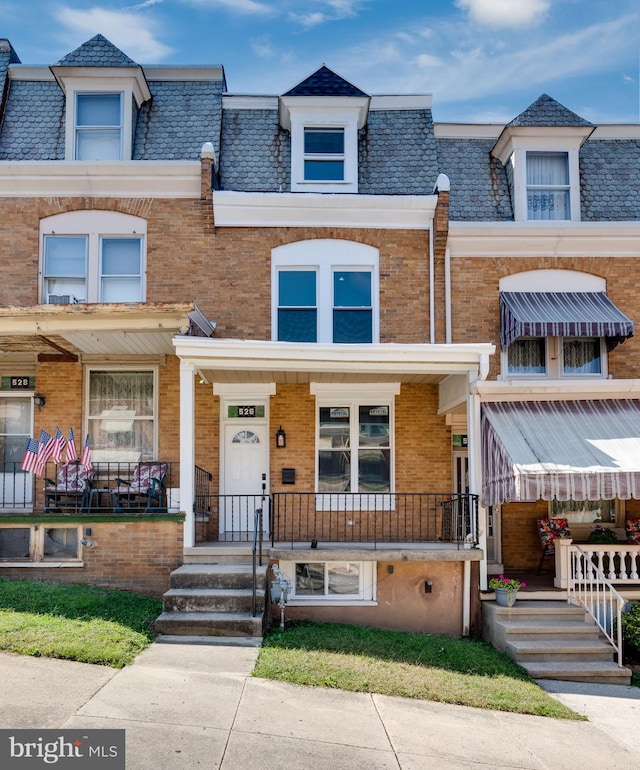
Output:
x,y
589,585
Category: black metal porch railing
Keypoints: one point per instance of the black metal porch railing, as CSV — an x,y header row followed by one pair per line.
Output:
x,y
302,517
109,487
373,518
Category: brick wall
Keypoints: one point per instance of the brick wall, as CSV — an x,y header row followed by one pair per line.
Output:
x,y
133,556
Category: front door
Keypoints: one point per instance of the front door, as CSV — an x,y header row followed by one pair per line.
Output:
x,y
16,487
245,459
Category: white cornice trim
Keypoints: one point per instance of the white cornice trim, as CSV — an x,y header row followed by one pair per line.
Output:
x,y
555,390
205,72
388,359
630,131
518,239
123,179
237,209
249,102
30,72
401,102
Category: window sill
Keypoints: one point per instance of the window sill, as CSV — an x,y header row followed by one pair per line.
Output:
x,y
331,602
39,564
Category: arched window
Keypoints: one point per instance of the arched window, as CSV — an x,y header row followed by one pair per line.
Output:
x,y
92,256
325,290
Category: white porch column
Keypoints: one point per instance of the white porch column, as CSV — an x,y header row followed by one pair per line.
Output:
x,y
475,475
187,450
562,559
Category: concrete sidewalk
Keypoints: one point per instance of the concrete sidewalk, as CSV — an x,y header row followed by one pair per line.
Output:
x,y
191,705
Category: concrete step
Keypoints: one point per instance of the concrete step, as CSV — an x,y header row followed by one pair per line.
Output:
x,y
223,553
548,628
552,640
209,624
595,672
216,576
211,600
578,650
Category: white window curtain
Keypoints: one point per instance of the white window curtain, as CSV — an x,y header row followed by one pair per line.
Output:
x,y
527,356
581,356
121,415
548,185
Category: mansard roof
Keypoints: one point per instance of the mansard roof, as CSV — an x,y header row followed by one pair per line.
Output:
x,y
325,82
97,52
546,111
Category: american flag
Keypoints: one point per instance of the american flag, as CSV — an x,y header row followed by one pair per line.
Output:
x,y
45,451
86,455
58,446
30,460
72,452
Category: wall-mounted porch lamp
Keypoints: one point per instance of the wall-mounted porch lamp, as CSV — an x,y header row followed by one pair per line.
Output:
x,y
39,400
281,438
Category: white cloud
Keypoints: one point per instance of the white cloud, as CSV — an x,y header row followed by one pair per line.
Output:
x,y
427,60
238,6
505,13
129,31
332,10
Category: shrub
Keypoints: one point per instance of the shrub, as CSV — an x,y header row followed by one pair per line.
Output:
x,y
631,631
602,535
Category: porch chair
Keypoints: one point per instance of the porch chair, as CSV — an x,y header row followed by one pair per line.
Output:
x,y
70,489
549,530
632,528
146,489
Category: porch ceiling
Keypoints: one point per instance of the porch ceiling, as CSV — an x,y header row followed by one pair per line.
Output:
x,y
114,329
243,361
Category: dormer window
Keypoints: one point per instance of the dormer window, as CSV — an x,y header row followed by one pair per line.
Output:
x,y
103,88
324,113
98,129
324,154
548,188
540,150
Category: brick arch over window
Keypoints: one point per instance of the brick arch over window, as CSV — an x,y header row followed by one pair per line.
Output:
x,y
92,256
325,290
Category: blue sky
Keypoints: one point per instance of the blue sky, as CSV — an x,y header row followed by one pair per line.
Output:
x,y
483,60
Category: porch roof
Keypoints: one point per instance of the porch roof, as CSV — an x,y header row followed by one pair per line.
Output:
x,y
245,361
564,314
65,331
569,450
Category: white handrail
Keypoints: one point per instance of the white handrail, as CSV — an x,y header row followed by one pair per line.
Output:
x,y
590,588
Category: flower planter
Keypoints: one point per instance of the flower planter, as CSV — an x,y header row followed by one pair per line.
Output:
x,y
505,597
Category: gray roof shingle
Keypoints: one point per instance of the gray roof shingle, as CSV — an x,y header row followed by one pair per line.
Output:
x,y
33,124
546,111
324,82
97,52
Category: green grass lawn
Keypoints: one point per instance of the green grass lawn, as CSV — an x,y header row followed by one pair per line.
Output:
x,y
410,665
76,622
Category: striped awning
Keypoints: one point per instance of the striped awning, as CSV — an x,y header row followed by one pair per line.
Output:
x,y
561,314
567,450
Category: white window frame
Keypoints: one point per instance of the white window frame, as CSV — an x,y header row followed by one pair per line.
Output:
x,y
77,129
325,256
36,546
551,187
96,80
95,225
354,396
554,362
518,161
89,369
367,594
324,118
560,280
317,157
